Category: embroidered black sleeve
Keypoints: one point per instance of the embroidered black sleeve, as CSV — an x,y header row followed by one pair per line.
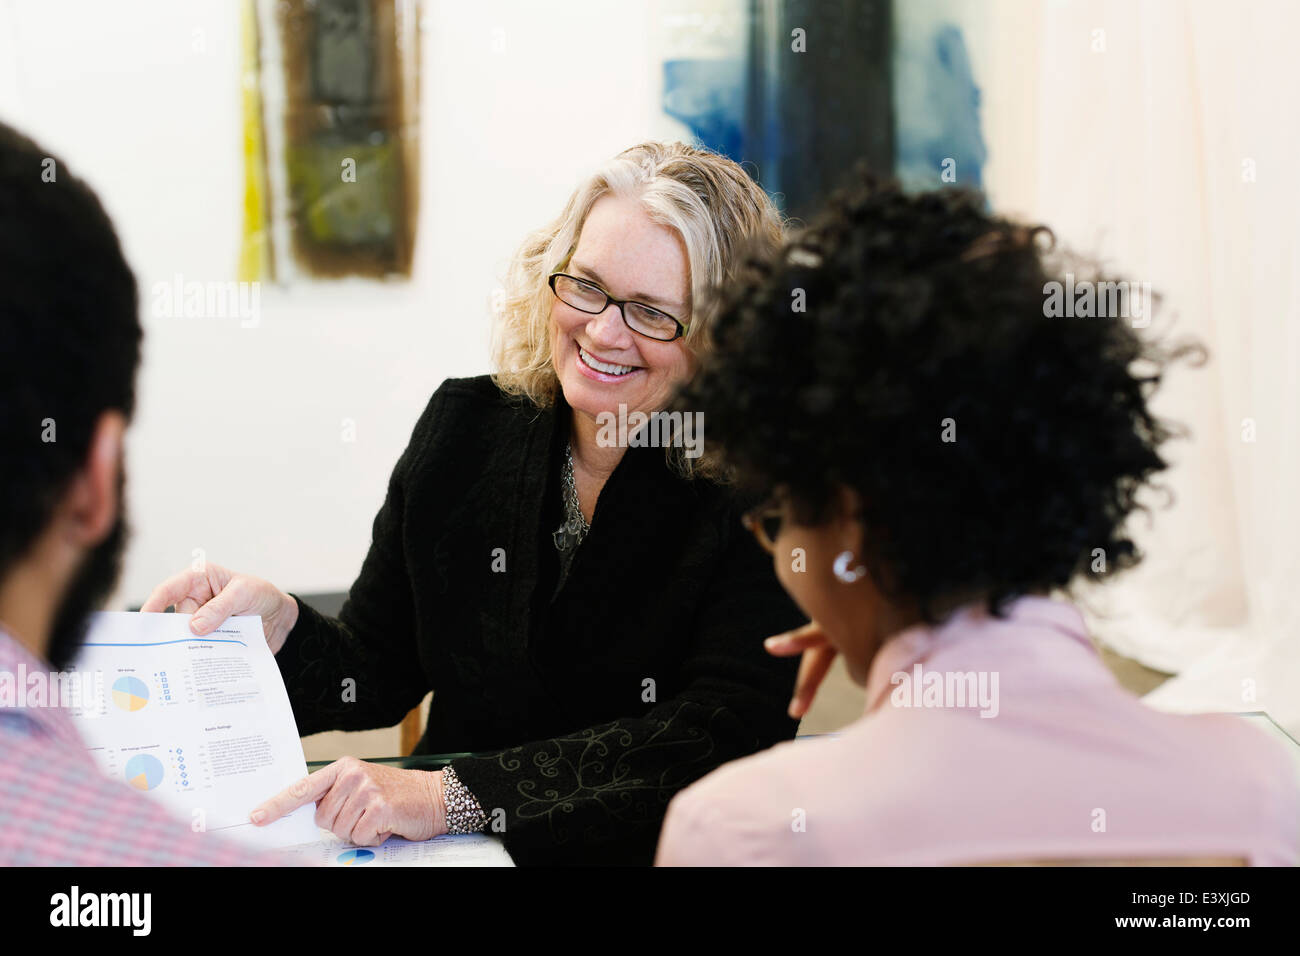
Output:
x,y
599,795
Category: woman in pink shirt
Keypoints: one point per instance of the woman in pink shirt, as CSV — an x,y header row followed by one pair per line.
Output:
x,y
944,441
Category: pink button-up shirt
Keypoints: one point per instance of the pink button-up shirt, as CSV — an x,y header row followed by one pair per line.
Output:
x,y
56,808
988,740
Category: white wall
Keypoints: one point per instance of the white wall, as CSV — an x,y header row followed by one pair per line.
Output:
x,y
1148,133
237,446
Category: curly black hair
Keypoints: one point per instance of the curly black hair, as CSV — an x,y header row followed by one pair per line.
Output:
x,y
994,448
69,334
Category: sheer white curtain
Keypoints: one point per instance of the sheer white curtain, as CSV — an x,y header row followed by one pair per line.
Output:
x,y
1162,136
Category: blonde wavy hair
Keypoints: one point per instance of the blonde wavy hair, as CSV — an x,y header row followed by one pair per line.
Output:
x,y
719,212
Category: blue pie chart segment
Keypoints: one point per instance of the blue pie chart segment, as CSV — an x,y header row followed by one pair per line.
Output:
x,y
130,693
144,771
355,857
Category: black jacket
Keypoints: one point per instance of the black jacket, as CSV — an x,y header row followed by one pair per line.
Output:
x,y
588,709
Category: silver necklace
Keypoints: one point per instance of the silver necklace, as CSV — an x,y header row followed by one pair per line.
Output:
x,y
570,533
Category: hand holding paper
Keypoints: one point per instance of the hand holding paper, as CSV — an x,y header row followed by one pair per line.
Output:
x,y
216,593
201,723
204,725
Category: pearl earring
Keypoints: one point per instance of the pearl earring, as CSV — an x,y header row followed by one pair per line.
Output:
x,y
843,571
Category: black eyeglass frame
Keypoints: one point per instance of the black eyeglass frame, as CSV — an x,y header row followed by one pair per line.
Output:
x,y
681,329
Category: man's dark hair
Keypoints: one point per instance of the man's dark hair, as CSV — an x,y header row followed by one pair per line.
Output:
x,y
69,335
923,319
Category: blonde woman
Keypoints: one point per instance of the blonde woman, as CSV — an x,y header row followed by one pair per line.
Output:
x,y
588,617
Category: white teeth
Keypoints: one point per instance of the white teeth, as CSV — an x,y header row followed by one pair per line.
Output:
x,y
604,366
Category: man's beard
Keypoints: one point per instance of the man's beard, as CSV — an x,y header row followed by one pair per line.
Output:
x,y
90,587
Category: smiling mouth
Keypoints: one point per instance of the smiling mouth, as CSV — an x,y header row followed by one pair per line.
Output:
x,y
604,368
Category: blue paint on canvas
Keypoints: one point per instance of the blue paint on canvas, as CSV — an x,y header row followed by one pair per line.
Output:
x,y
937,105
708,95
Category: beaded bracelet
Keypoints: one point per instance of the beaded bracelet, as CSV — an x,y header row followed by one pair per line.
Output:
x,y
464,815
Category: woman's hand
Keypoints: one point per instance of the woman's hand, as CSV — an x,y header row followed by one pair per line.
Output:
x,y
365,803
216,593
818,656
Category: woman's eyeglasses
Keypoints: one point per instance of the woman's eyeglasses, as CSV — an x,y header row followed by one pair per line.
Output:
x,y
765,523
590,298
